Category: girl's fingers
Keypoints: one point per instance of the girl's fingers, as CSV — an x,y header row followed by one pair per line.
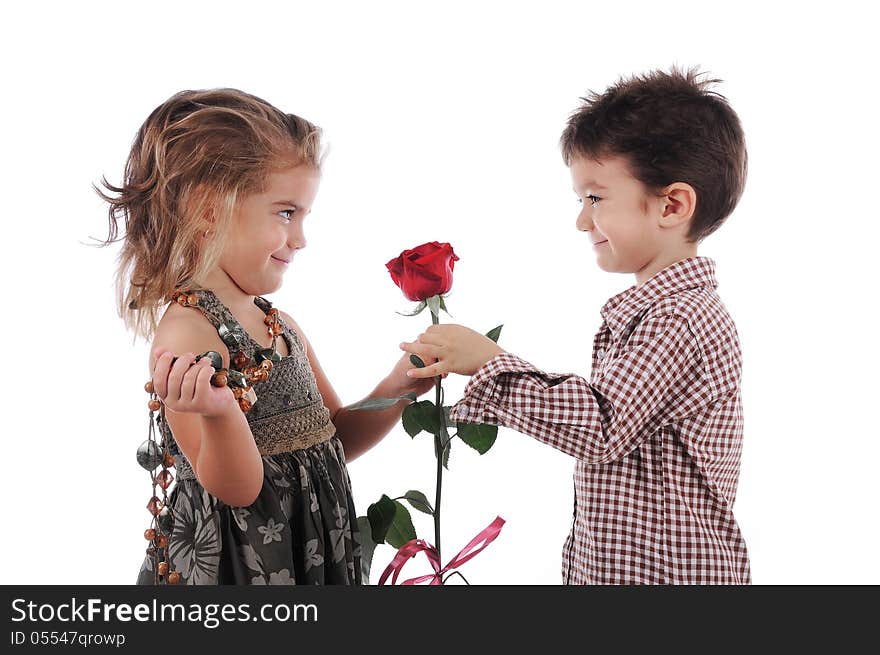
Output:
x,y
160,374
203,382
175,378
189,384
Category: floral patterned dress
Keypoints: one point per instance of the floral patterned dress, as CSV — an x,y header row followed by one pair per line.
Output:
x,y
302,528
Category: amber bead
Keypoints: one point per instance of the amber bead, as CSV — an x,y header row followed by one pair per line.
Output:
x,y
148,387
163,568
237,392
262,374
272,311
268,320
154,506
173,577
149,534
192,300
267,364
220,379
244,404
154,405
167,460
239,360
275,329
162,541
164,478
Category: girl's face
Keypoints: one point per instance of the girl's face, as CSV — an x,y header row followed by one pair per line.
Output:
x,y
267,230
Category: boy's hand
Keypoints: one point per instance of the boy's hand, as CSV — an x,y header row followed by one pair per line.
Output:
x,y
453,349
186,388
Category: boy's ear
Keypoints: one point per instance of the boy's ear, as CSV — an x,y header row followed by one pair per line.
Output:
x,y
679,202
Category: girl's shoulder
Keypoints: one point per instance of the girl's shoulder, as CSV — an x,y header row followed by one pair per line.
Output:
x,y
186,329
294,326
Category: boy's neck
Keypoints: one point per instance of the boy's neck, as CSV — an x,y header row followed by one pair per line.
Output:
x,y
663,259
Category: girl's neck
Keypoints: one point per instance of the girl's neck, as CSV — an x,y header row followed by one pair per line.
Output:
x,y
226,290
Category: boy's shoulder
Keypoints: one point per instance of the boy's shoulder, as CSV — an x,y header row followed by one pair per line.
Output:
x,y
185,329
714,330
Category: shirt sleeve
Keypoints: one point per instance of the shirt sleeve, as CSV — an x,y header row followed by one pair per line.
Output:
x,y
657,379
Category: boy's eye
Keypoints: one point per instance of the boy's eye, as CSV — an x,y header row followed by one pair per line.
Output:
x,y
287,213
593,199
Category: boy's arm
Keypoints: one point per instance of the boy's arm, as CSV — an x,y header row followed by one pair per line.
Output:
x,y
658,379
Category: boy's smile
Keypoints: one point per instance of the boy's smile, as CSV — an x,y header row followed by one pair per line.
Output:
x,y
632,231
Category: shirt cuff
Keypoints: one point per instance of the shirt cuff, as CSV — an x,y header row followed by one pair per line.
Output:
x,y
483,392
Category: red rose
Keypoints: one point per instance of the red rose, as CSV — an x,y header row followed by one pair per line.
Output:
x,y
424,271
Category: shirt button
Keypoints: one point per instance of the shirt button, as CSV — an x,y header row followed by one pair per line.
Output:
x,y
601,353
462,409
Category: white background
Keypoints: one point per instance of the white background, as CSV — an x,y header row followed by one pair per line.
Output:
x,y
443,125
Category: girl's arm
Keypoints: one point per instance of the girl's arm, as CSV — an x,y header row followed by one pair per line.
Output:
x,y
361,430
207,424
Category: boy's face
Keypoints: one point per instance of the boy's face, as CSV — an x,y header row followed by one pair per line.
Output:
x,y
626,224
267,230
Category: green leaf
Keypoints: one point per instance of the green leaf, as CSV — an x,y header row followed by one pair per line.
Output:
x,y
434,304
419,501
443,306
418,310
410,419
367,547
494,333
445,454
380,403
401,530
381,516
480,437
417,361
423,414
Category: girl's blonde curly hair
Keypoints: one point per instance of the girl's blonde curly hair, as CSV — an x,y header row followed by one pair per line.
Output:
x,y
194,158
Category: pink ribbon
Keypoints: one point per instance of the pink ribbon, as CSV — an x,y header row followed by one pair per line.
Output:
x,y
416,546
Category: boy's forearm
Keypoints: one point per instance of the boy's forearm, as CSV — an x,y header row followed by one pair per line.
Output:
x,y
229,464
360,430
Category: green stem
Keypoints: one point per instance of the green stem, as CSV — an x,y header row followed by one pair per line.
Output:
x,y
438,450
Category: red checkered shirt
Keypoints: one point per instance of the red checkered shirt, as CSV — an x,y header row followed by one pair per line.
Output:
x,y
656,432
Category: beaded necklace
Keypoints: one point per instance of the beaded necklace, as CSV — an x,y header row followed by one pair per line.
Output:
x,y
152,453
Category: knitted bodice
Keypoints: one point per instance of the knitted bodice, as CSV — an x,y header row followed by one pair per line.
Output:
x,y
289,413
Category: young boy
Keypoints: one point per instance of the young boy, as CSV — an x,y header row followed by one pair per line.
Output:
x,y
658,162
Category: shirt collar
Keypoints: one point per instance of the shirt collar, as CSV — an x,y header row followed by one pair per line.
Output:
x,y
620,310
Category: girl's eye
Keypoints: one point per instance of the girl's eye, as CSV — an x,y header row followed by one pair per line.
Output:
x,y
287,213
593,199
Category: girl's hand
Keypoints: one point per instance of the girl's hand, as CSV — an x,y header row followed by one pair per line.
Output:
x,y
450,348
186,388
407,384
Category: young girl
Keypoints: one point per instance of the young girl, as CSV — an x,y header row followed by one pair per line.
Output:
x,y
216,189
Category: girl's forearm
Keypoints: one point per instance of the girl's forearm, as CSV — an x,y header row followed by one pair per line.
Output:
x,y
360,430
229,464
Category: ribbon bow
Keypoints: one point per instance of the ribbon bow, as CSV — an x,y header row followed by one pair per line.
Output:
x,y
415,546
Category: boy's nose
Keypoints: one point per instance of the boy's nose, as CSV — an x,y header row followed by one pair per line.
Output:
x,y
583,222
